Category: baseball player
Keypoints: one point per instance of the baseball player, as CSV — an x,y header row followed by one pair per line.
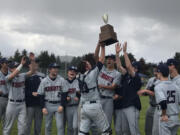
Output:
x,y
174,75
53,89
3,88
108,80
72,86
167,96
33,103
131,83
91,109
153,81
16,107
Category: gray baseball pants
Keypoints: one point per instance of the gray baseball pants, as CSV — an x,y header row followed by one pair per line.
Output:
x,y
52,110
118,121
108,108
72,120
149,120
130,121
15,110
170,127
92,113
156,126
3,105
35,113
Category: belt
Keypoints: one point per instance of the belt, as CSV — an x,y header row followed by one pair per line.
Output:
x,y
106,97
19,101
53,102
90,102
5,96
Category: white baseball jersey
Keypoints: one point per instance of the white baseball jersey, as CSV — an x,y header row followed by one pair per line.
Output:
x,y
166,90
91,81
72,87
16,87
52,89
3,86
152,82
108,78
176,80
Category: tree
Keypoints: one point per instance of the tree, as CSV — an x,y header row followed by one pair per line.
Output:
x,y
24,52
177,57
17,56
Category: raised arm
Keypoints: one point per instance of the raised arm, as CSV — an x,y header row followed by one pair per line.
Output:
x,y
127,61
16,71
96,54
32,65
118,61
102,56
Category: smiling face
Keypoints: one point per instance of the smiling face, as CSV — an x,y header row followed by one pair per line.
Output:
x,y
53,72
110,62
4,66
71,74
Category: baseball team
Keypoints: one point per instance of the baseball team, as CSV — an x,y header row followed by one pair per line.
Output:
x,y
94,93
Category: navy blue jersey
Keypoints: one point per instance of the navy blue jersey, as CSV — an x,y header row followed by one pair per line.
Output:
x,y
130,87
31,85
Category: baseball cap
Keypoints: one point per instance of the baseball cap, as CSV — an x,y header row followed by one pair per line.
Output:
x,y
3,60
136,65
112,56
53,65
73,68
172,62
163,68
13,64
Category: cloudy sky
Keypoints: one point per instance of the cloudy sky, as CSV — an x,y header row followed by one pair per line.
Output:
x,y
151,27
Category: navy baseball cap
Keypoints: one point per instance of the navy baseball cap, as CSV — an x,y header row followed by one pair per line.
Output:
x,y
53,65
73,68
136,65
3,60
112,56
13,64
172,62
163,68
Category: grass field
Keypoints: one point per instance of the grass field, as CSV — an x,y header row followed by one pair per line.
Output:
x,y
144,102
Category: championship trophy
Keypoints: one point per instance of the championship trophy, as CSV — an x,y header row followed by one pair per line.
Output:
x,y
107,35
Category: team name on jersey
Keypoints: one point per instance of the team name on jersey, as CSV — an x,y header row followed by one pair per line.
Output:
x,y
71,90
17,84
2,82
52,88
106,77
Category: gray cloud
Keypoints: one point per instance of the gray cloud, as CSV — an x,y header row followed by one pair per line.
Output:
x,y
73,26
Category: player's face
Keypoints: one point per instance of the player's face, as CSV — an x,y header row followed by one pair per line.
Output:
x,y
155,72
88,66
53,72
171,67
4,66
110,62
71,74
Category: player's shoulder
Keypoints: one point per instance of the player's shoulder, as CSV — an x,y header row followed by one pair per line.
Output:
x,y
41,74
59,77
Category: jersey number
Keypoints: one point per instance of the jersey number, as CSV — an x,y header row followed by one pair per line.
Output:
x,y
171,97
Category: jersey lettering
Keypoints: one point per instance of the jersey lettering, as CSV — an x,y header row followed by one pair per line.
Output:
x,y
2,82
71,90
106,77
17,84
52,88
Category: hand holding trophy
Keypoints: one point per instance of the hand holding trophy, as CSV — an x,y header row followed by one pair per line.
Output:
x,y
107,35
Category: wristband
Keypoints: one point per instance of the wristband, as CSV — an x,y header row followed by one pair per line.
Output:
x,y
19,67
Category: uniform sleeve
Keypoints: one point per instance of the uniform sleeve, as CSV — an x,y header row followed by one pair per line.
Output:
x,y
148,83
159,95
40,90
117,78
99,65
